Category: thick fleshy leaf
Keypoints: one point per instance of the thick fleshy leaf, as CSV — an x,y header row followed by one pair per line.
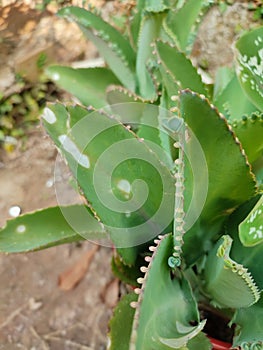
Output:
x,y
120,175
249,58
249,131
115,49
233,102
228,283
230,182
181,24
149,32
87,84
180,67
248,331
165,310
49,227
251,229
121,323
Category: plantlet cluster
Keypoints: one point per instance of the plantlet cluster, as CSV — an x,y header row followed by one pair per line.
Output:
x,y
172,171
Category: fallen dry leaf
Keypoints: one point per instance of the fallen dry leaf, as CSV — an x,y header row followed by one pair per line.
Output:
x,y
111,292
70,278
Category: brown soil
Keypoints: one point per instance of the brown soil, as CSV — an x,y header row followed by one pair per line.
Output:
x,y
34,312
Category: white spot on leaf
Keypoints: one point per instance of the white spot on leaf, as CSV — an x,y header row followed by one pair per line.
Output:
x,y
125,187
56,76
49,116
71,148
21,229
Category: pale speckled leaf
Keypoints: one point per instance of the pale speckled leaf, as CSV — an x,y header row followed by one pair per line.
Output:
x,y
251,229
249,58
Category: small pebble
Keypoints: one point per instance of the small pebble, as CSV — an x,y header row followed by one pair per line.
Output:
x,y
14,211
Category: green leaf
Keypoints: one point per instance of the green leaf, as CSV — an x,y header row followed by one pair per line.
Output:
x,y
230,181
249,131
49,227
115,49
223,76
180,67
156,5
165,309
117,95
87,84
145,119
228,283
149,32
171,87
251,229
232,101
248,331
249,63
180,24
127,274
121,323
122,178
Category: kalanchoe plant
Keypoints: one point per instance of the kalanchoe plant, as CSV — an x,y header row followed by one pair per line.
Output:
x,y
149,128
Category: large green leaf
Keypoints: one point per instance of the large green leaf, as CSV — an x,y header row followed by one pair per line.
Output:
x,y
87,84
180,67
121,323
115,49
49,227
248,331
230,181
228,283
249,62
127,185
166,307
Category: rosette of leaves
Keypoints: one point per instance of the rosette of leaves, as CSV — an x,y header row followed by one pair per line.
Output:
x,y
216,259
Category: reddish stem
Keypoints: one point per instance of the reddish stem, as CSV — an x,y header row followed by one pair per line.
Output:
x,y
219,345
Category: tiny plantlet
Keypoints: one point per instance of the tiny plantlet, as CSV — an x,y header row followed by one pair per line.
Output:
x,y
172,171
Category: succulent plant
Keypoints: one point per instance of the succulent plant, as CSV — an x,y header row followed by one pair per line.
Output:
x,y
172,171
